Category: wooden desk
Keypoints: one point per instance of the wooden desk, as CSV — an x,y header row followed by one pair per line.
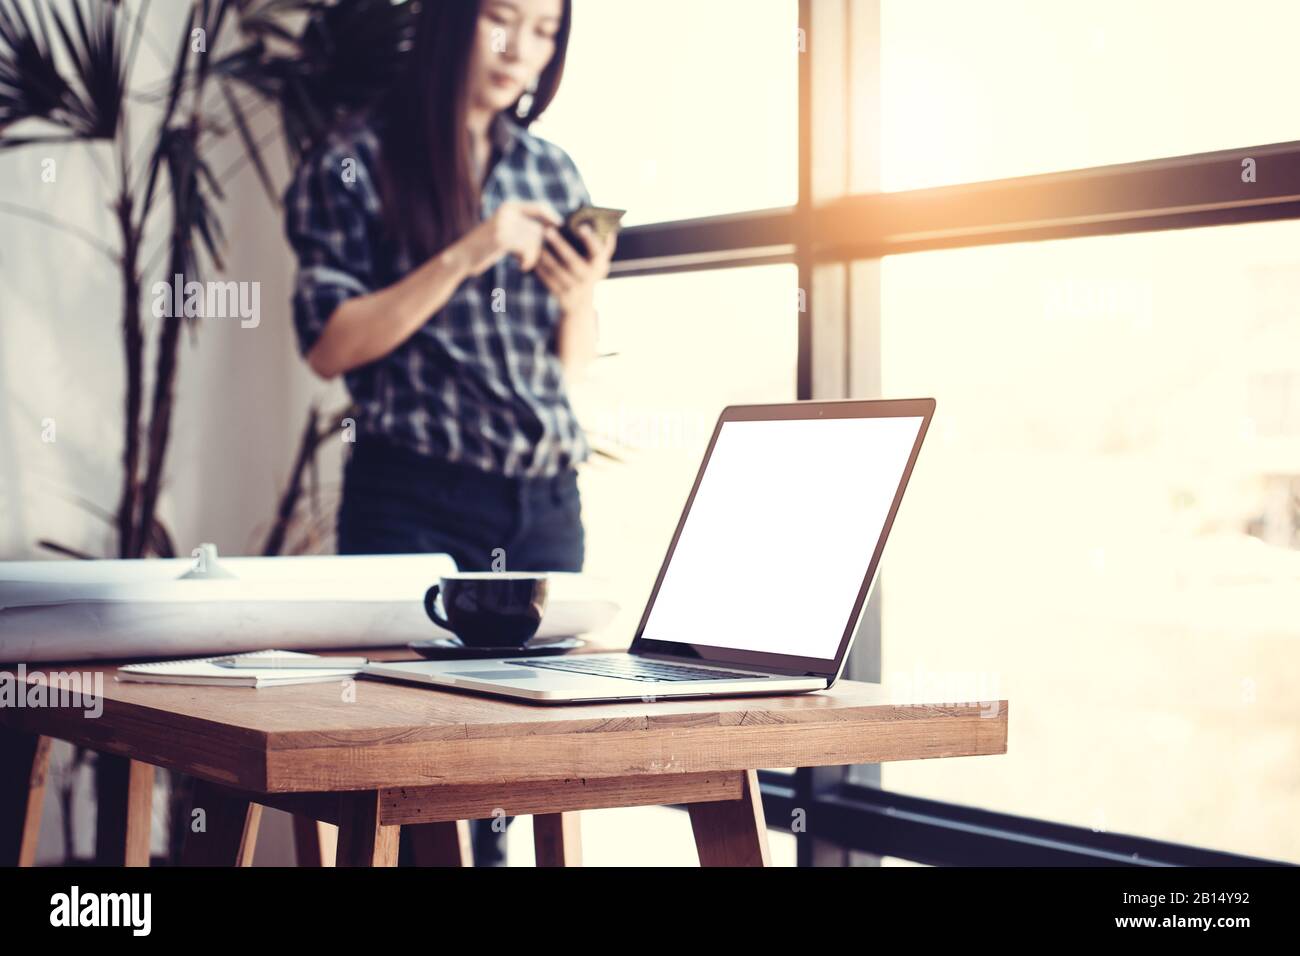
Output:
x,y
372,756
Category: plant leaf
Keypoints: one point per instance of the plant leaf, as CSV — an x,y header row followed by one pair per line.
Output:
x,y
9,142
339,63
65,550
31,86
96,53
250,143
193,185
173,97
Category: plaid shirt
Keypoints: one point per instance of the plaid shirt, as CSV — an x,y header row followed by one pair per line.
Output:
x,y
480,383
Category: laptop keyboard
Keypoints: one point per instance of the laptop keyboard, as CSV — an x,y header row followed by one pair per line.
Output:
x,y
634,668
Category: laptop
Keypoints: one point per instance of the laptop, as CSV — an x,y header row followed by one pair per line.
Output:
x,y
767,575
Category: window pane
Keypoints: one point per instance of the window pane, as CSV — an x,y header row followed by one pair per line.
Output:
x,y
1103,526
1003,88
677,109
655,402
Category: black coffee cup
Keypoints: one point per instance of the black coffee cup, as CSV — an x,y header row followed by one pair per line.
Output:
x,y
489,608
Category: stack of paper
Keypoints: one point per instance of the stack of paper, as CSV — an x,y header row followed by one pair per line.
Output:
x,y
202,670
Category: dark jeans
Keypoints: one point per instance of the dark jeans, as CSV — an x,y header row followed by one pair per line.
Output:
x,y
398,502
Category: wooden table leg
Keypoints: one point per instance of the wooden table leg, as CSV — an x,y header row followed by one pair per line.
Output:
x,y
732,832
363,840
229,828
442,844
124,817
316,842
557,838
24,761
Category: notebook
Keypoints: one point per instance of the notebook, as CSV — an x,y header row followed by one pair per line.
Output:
x,y
201,670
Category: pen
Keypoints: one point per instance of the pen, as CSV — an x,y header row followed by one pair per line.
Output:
x,y
291,663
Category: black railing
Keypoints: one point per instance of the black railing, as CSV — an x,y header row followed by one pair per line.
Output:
x,y
937,833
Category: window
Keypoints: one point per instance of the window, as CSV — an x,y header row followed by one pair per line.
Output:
x,y
711,129
1118,556
1000,88
1104,524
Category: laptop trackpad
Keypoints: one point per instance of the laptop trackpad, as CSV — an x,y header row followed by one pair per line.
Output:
x,y
517,673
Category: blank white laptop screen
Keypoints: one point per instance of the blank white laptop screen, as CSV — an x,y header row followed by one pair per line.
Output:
x,y
781,533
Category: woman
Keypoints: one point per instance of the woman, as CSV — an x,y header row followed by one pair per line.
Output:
x,y
433,278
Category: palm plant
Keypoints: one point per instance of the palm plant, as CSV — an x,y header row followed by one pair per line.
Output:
x,y
66,77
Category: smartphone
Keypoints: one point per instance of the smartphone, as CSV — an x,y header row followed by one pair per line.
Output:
x,y
604,221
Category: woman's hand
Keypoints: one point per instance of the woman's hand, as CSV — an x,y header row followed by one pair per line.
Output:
x,y
516,228
570,276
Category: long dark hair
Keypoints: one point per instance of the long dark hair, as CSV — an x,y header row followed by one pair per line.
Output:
x,y
427,183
